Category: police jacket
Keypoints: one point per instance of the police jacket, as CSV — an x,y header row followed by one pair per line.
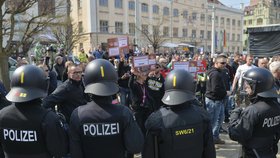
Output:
x,y
30,131
104,131
67,96
257,126
215,85
179,131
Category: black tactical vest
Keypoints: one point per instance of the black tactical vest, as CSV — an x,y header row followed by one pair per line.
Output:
x,y
20,129
266,124
182,133
101,131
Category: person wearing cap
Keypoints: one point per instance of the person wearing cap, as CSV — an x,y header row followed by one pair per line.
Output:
x,y
101,129
27,130
257,127
181,128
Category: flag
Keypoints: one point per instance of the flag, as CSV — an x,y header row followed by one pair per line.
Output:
x,y
225,39
216,40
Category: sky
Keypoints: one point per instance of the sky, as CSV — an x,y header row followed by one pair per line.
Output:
x,y
235,3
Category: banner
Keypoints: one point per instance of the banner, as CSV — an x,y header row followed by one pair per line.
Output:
x,y
118,46
193,67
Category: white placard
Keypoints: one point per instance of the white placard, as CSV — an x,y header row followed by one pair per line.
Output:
x,y
122,41
114,51
181,65
139,61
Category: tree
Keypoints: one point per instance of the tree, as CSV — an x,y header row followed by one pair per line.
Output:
x,y
67,35
155,36
20,25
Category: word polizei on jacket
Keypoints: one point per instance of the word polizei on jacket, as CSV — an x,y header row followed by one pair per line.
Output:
x,y
20,135
101,129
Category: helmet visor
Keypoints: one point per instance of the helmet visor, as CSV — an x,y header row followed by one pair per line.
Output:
x,y
21,94
173,97
102,88
248,86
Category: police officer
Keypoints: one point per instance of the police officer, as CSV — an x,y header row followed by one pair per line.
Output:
x,y
257,126
27,129
181,128
100,129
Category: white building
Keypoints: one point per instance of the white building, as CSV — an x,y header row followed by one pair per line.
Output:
x,y
188,21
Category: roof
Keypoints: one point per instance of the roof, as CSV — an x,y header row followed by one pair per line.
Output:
x,y
215,1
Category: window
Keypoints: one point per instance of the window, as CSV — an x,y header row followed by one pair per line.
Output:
x,y
80,27
193,34
209,18
80,3
238,37
259,21
194,15
131,28
227,37
103,26
155,9
208,35
175,32
165,11
245,22
118,3
222,21
175,12
185,13
81,45
46,7
228,21
202,17
145,29
233,22
118,27
250,22
103,3
165,31
144,7
238,23
216,19
156,30
131,5
185,32
201,34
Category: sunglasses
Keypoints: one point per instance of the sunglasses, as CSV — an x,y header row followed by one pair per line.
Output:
x,y
223,63
78,72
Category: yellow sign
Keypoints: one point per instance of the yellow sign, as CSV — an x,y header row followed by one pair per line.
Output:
x,y
185,132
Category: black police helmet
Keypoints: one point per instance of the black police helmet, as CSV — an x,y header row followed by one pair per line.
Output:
x,y
101,78
179,87
261,81
28,83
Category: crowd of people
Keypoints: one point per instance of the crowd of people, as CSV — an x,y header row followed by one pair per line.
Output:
x,y
167,108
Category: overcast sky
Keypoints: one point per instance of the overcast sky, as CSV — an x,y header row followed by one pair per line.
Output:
x,y
235,3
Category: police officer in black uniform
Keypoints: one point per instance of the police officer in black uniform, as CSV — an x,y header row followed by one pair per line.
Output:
x,y
27,129
100,129
181,128
257,126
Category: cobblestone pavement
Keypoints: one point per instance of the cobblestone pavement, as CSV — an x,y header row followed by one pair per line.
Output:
x,y
231,148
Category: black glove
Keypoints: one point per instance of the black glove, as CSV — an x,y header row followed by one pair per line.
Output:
x,y
235,114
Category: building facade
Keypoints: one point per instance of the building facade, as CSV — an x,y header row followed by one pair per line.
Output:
x,y
178,21
259,13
